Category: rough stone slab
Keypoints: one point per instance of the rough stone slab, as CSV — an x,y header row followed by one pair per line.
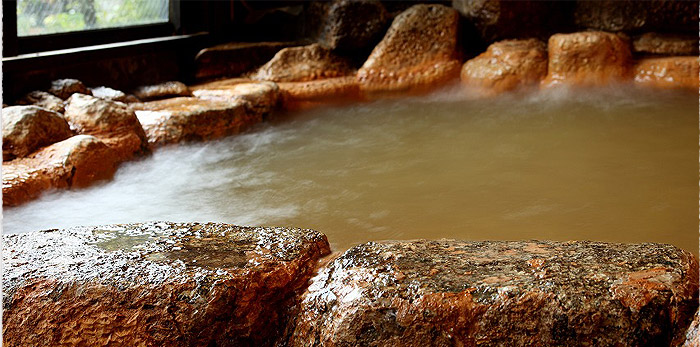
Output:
x,y
42,99
28,128
234,58
296,95
305,63
193,119
161,91
631,15
75,162
154,284
666,44
419,51
352,25
507,65
64,88
500,293
110,121
668,72
262,96
590,58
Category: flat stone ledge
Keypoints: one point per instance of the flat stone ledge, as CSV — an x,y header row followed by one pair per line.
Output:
x,y
154,284
505,293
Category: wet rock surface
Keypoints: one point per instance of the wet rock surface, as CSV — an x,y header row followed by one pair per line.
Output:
x,y
108,94
75,162
296,95
110,121
154,284
631,16
66,87
692,337
666,44
418,51
507,65
161,91
193,119
305,63
354,25
500,293
42,99
28,128
592,58
262,96
235,58
668,72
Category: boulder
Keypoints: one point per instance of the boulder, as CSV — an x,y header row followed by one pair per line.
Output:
x,y
161,91
235,58
297,95
28,128
262,96
108,94
305,63
154,284
354,25
77,161
692,337
637,16
419,51
588,58
42,99
668,72
507,19
110,121
64,88
666,44
193,119
507,65
500,293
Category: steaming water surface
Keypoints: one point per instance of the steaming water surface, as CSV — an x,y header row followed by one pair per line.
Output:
x,y
613,165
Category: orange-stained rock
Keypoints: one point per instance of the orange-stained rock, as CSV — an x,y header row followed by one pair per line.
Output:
x,y
262,96
507,65
305,63
235,58
161,91
194,119
66,87
28,128
154,284
418,52
75,162
296,95
500,293
110,121
668,72
42,99
590,58
666,44
692,337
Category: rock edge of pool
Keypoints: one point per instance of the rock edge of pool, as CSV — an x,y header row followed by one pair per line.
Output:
x,y
185,284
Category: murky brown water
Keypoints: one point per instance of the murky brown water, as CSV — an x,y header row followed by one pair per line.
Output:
x,y
613,165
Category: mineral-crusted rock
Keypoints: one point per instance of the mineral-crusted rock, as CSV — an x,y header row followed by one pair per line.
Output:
x,y
154,284
419,51
64,88
692,337
262,96
296,95
507,65
28,128
500,293
505,19
634,16
75,162
305,63
42,99
588,58
108,94
666,44
193,119
668,72
235,58
110,121
353,25
162,90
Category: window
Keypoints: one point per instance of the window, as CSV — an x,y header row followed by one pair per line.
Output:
x,y
41,17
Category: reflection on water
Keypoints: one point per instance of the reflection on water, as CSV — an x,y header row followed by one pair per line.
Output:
x,y
614,165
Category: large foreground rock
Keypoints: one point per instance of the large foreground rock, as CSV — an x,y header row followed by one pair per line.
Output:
x,y
110,121
28,128
194,119
305,63
507,65
235,58
668,72
77,161
591,58
154,284
500,293
419,51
